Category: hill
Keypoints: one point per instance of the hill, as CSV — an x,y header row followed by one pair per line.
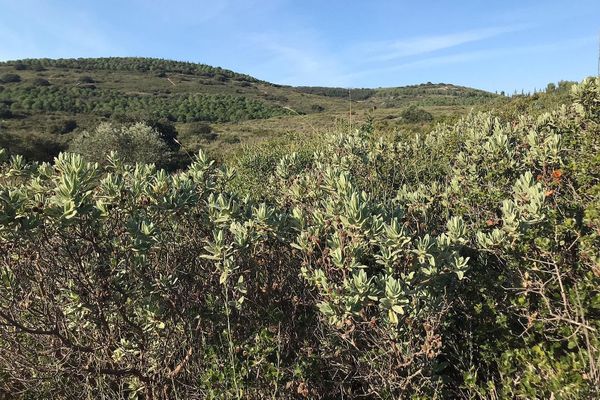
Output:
x,y
45,103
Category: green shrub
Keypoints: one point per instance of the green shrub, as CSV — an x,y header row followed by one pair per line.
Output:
x,y
10,78
362,270
32,146
40,82
138,143
5,111
63,126
86,79
414,114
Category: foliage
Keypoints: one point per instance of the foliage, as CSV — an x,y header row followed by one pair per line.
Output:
x,y
130,64
239,108
462,263
5,111
32,146
40,82
138,143
63,126
413,115
10,78
428,94
196,107
354,94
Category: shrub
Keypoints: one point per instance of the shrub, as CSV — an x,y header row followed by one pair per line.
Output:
x,y
40,82
317,108
86,79
31,146
231,139
63,126
463,263
198,128
10,78
137,143
414,114
5,111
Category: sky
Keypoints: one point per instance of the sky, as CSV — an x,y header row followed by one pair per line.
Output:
x,y
492,45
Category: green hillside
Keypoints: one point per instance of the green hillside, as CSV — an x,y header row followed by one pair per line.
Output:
x,y
45,103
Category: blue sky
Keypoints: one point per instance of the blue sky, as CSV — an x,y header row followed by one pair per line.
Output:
x,y
494,45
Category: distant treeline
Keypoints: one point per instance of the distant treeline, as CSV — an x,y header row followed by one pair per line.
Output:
x,y
181,108
355,94
137,64
436,94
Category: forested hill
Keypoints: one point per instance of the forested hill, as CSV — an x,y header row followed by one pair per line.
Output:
x,y
425,93
113,85
45,103
136,64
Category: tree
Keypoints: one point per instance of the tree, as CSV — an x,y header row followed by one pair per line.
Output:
x,y
413,114
138,143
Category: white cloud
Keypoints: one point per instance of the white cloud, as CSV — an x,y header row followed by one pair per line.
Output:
x,y
297,59
46,32
470,56
389,50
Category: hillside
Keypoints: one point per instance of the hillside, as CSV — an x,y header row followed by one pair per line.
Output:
x,y
44,103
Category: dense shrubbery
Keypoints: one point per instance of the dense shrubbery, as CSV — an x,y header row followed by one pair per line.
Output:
x,y
10,78
153,141
183,108
429,94
63,126
40,82
354,94
5,111
32,146
413,114
459,264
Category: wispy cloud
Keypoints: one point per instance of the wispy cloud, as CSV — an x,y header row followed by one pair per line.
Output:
x,y
298,59
389,50
48,33
471,56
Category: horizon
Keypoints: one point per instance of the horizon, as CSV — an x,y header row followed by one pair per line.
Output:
x,y
510,47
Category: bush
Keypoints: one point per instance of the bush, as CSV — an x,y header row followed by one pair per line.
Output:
x,y
40,82
231,139
10,78
463,263
414,114
138,143
198,128
86,79
64,126
31,146
5,111
317,108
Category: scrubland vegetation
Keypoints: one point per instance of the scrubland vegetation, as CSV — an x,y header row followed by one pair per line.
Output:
x,y
457,259
41,99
